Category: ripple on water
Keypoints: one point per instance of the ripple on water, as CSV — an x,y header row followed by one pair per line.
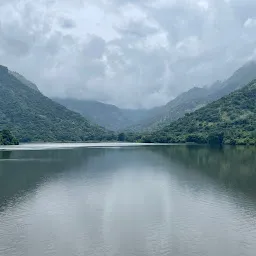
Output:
x,y
122,202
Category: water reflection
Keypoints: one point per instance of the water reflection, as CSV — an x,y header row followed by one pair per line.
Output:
x,y
235,166
144,201
23,171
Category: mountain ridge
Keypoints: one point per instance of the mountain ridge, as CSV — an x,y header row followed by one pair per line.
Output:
x,y
106,115
31,116
118,119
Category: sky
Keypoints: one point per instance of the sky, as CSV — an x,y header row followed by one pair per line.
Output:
x,y
131,53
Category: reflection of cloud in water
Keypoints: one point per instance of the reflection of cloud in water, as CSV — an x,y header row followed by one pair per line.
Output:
x,y
136,202
45,146
144,202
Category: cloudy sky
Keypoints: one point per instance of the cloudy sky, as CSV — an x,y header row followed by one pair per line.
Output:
x,y
132,53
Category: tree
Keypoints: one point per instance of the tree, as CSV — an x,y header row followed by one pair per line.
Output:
x,y
6,138
215,138
121,137
196,138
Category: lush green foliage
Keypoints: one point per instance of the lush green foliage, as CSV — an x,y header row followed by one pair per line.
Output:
x,y
6,138
121,137
33,117
230,120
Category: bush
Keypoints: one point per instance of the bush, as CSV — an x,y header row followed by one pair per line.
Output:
x,y
215,139
6,138
196,138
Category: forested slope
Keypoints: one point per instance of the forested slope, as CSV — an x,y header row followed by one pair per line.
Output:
x,y
31,116
229,120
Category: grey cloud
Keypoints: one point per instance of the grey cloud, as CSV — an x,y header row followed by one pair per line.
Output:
x,y
67,23
94,49
173,46
53,45
13,40
243,9
136,29
180,23
14,47
125,2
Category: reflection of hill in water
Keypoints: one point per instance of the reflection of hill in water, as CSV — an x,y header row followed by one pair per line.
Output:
x,y
235,166
23,171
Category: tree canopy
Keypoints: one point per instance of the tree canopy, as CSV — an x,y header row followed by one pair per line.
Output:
x,y
6,138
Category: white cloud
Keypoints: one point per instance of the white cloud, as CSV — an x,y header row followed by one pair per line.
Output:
x,y
250,23
204,5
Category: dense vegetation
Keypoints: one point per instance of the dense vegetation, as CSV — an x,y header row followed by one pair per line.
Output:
x,y
33,117
230,120
6,138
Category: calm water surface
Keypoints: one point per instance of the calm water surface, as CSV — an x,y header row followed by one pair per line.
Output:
x,y
126,200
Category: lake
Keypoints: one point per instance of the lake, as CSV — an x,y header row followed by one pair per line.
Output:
x,y
127,200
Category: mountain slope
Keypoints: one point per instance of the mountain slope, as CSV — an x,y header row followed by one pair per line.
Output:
x,y
231,119
186,102
33,117
24,80
196,98
106,115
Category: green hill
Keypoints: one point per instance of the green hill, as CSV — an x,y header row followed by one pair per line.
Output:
x,y
229,120
197,98
106,115
31,116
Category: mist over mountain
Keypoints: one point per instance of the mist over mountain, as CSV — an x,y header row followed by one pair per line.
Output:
x,y
31,116
117,119
106,115
196,98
